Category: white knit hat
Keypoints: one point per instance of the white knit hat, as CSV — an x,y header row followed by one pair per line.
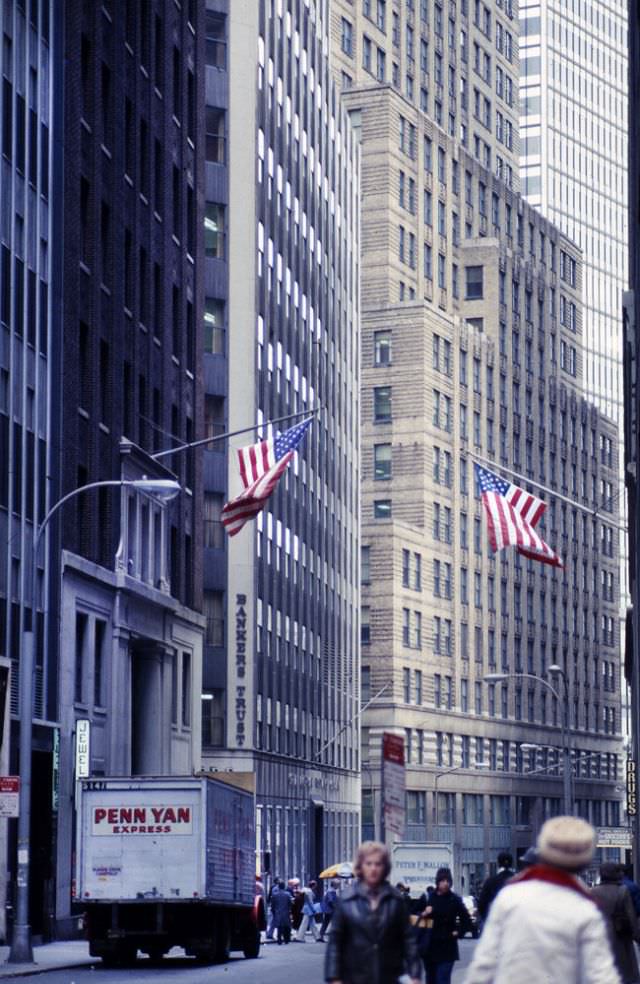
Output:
x,y
567,842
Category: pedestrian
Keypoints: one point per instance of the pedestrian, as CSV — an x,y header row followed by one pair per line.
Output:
x,y
494,884
615,901
308,913
405,892
328,908
272,891
293,886
449,920
529,858
545,927
634,891
371,940
281,905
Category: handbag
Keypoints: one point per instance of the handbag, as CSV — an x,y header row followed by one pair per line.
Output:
x,y
423,931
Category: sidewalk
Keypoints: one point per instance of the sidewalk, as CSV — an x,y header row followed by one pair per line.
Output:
x,y
51,956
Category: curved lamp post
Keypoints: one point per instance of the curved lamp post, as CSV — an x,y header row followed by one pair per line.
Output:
x,y
566,735
21,947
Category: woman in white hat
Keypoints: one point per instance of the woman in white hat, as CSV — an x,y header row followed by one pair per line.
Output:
x,y
545,927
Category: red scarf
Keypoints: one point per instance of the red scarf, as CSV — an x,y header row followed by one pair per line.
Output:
x,y
553,876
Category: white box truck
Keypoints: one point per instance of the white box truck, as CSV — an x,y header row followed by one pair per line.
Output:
x,y
168,862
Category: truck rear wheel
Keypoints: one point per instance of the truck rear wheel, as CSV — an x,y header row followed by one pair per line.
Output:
x,y
251,945
222,942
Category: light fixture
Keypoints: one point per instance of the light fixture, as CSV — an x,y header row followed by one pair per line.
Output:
x,y
162,488
555,669
495,677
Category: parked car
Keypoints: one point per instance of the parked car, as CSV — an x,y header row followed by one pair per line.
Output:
x,y
471,905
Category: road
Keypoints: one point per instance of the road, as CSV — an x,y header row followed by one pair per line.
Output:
x,y
275,964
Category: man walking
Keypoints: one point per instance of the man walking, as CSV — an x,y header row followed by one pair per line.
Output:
x,y
308,913
494,884
545,927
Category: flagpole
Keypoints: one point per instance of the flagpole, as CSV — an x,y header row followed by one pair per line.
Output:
x,y
545,488
244,430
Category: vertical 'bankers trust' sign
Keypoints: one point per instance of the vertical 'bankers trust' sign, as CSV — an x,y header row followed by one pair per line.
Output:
x,y
240,697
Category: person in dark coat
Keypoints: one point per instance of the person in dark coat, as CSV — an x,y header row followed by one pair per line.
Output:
x,y
493,885
371,939
634,891
281,905
329,902
451,920
615,902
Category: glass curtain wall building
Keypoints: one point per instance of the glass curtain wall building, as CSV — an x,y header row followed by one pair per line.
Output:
x,y
28,402
573,119
573,98
281,314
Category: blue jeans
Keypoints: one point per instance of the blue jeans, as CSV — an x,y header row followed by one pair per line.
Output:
x,y
439,973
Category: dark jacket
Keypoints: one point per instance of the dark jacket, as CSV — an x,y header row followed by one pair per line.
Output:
x,y
371,946
622,923
281,904
490,889
634,892
449,916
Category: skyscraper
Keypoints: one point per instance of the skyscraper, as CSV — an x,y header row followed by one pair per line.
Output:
x,y
632,393
29,396
130,299
280,332
471,347
573,93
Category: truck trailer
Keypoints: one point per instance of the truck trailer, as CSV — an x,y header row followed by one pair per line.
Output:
x,y
164,862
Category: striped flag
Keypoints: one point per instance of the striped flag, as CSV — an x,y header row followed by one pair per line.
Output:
x,y
512,515
261,466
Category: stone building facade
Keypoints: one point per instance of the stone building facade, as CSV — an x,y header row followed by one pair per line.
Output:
x,y
471,350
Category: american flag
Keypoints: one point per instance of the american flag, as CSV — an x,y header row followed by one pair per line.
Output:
x,y
261,466
512,515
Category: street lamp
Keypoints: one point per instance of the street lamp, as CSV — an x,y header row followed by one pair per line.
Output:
x,y
21,948
566,735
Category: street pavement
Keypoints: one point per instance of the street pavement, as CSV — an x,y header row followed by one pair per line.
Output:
x,y
274,964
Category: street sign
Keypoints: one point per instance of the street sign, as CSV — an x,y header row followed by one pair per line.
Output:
x,y
9,796
393,784
632,800
416,864
614,837
83,748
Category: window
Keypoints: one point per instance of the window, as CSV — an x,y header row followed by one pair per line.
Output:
x,y
214,333
214,231
366,53
382,462
382,509
365,565
416,807
79,669
381,403
474,284
365,625
186,690
382,348
346,38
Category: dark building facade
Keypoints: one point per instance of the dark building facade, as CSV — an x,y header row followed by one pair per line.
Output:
x,y
281,669
131,230
631,390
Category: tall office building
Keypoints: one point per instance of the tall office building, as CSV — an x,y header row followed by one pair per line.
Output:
x,y
471,348
632,393
29,398
130,303
573,96
280,330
